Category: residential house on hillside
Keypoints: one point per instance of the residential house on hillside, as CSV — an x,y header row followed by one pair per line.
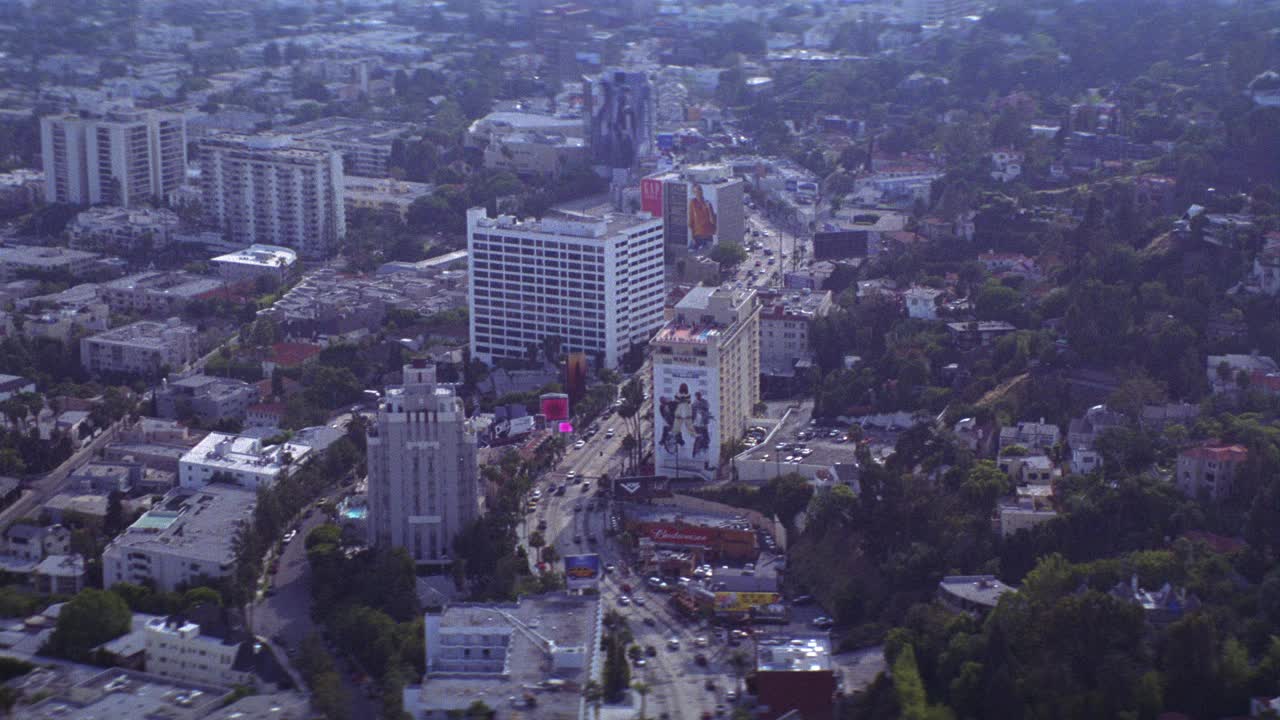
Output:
x,y
1210,468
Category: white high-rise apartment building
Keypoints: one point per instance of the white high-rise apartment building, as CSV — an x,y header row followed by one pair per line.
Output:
x,y
121,158
593,281
423,486
269,190
706,379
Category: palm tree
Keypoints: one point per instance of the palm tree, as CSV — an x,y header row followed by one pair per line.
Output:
x,y
643,689
593,693
629,411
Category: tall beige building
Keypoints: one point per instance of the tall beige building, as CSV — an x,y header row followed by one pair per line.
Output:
x,y
423,486
120,158
270,190
706,379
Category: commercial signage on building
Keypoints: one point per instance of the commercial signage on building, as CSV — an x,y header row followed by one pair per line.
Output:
x,y
741,602
581,571
651,196
555,406
641,487
686,429
677,535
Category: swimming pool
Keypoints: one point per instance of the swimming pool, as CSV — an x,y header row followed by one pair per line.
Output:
x,y
355,513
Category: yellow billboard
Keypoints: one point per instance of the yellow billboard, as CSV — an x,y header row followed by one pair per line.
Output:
x,y
741,602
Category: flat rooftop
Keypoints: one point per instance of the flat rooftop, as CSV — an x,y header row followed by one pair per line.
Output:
x,y
664,513
799,654
562,222
199,524
353,130
567,621
977,589
144,332
247,454
260,255
176,283
39,256
118,693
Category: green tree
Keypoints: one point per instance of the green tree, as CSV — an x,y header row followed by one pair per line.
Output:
x,y
728,254
89,619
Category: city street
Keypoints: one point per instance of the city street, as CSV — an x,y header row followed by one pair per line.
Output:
x,y
284,618
52,482
678,685
764,269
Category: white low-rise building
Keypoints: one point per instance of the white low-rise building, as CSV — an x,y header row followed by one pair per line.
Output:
x,y
177,649
188,536
143,348
245,461
256,261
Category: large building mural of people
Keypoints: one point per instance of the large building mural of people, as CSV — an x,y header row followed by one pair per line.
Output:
x,y
702,215
619,108
687,433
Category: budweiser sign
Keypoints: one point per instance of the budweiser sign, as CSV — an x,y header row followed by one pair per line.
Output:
x,y
679,537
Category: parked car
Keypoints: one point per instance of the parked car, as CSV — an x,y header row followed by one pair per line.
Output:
x,y
823,623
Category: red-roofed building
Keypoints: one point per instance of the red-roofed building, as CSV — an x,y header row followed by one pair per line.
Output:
x,y
264,415
1210,468
289,355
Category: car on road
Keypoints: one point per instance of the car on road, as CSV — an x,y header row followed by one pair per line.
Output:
x,y
608,433
570,475
624,601
609,568
577,539
701,661
577,507
673,643
289,536
542,524
639,600
591,540
580,444
731,695
802,600
649,621
700,641
823,623
639,662
651,651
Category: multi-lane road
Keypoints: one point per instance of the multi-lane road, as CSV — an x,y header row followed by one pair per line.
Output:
x,y
575,522
764,269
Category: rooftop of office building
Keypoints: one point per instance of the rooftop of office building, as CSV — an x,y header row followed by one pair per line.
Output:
x,y
563,222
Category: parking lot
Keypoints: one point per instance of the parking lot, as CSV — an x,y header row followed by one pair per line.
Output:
x,y
802,440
